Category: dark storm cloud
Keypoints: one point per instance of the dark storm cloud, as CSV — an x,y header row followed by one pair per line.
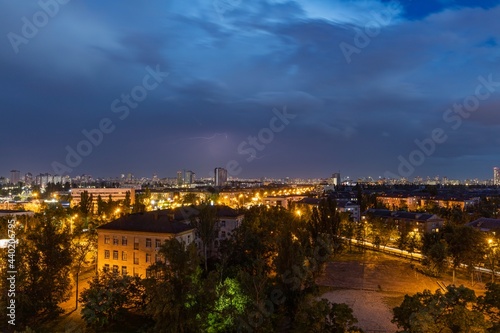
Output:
x,y
230,64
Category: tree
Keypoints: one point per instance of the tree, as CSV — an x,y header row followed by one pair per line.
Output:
x,y
413,242
230,303
110,298
435,251
489,304
127,203
138,206
465,246
110,205
207,226
43,259
403,237
360,232
101,206
381,230
86,204
347,231
326,220
449,312
189,199
82,246
293,276
175,292
323,316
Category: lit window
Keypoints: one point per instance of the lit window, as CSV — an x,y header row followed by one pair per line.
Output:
x,y
136,259
106,239
148,242
157,243
124,256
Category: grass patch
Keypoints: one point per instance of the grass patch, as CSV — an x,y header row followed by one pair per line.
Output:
x,y
325,289
393,301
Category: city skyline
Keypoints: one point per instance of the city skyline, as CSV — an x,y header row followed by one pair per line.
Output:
x,y
268,89
189,177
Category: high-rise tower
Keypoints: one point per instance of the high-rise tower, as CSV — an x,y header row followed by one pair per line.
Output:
x,y
220,178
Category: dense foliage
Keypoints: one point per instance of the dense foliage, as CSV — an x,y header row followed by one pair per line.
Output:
x,y
456,310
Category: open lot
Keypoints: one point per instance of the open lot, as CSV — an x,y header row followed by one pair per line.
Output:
x,y
372,283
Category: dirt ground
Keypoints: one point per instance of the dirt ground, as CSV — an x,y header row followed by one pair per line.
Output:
x,y
373,283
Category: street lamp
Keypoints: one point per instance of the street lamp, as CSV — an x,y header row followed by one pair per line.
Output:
x,y
492,247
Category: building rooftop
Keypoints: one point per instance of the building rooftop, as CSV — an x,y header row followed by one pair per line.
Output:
x,y
402,215
309,201
6,212
485,224
225,211
171,221
156,222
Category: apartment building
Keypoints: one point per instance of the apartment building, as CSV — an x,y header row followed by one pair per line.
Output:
x,y
130,244
420,222
228,221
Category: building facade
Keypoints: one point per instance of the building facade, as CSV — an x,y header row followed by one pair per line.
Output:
x,y
419,222
15,176
220,177
115,193
131,244
228,221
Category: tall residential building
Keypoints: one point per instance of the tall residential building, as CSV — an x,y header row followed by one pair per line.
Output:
x,y
43,179
28,178
180,178
189,177
220,178
335,180
496,176
15,176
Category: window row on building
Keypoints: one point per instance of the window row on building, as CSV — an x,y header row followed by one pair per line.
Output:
x,y
135,272
148,256
149,241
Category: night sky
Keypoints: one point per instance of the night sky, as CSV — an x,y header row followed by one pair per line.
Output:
x,y
271,88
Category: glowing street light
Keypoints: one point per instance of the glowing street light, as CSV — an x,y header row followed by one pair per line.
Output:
x,y
492,246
